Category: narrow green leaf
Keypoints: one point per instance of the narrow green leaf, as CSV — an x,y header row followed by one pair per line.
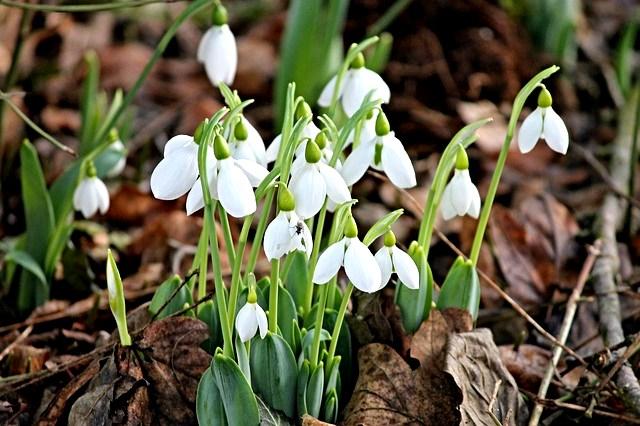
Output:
x,y
240,405
381,226
27,262
315,390
297,277
301,392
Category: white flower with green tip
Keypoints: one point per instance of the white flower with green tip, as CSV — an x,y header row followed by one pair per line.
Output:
x,y
391,259
91,195
460,196
251,318
543,123
218,51
287,232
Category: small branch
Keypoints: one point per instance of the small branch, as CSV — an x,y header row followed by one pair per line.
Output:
x,y
16,342
572,305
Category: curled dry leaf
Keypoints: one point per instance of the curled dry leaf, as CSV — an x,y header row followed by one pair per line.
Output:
x,y
153,382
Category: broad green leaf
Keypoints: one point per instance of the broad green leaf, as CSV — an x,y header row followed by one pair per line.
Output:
x,y
240,405
208,313
209,406
315,391
275,379
331,407
461,288
59,239
40,221
271,417
170,298
297,277
286,312
27,262
415,304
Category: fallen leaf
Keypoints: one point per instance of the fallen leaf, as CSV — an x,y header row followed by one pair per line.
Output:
x,y
526,364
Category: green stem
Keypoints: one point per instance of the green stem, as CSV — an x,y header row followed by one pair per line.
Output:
x,y
71,8
273,296
389,16
339,320
518,104
313,260
201,257
315,348
237,266
628,225
228,237
260,229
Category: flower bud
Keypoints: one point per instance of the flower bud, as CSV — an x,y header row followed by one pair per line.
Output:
x,y
220,147
389,239
321,139
351,228
286,201
90,170
462,161
219,15
303,110
116,299
382,124
113,135
358,61
240,131
312,152
197,135
544,98
413,247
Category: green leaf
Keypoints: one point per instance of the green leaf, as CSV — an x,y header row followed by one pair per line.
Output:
x,y
240,405
415,304
297,277
38,213
271,417
243,358
27,262
461,288
381,226
315,390
89,110
58,241
301,393
209,406
275,381
171,294
331,407
286,312
208,313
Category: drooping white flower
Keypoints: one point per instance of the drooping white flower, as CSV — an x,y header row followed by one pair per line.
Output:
x,y
358,82
217,50
287,232
460,196
91,195
176,174
313,181
247,144
116,148
359,264
391,259
230,180
385,153
310,131
543,123
250,319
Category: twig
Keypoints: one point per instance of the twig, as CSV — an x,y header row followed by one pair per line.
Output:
x,y
13,344
632,349
576,407
572,305
607,264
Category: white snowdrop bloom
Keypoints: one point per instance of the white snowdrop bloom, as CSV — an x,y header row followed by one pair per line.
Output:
x,y
247,144
91,195
217,50
310,131
391,259
230,180
287,232
460,197
313,181
116,148
385,153
359,264
543,123
176,174
249,320
358,82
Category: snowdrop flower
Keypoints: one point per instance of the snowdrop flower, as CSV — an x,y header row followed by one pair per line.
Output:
x,y
310,131
287,232
218,51
313,181
391,259
247,144
230,180
116,148
91,195
357,84
385,153
251,318
543,123
325,153
177,173
359,264
461,197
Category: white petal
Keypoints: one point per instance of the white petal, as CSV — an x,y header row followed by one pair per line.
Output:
x,y
358,85
555,132
254,171
309,190
310,131
406,268
102,194
234,189
446,206
361,267
357,163
85,198
273,148
175,174
530,131
221,56
461,189
337,189
367,132
277,239
307,239
256,143
474,208
383,257
195,199
329,262
396,162
246,322
203,46
261,317
327,93
180,141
